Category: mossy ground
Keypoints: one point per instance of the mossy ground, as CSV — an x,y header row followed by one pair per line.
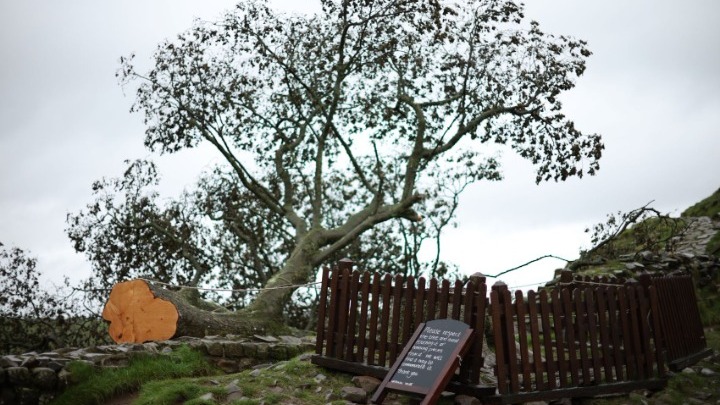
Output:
x,y
93,386
185,378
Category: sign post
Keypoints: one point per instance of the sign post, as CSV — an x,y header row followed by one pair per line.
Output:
x,y
428,360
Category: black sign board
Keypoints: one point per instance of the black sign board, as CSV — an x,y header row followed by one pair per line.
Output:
x,y
428,361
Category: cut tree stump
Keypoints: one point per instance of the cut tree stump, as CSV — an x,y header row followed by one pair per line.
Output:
x,y
136,315
141,311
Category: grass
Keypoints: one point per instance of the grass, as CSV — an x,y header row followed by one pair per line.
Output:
x,y
706,208
93,386
290,382
184,377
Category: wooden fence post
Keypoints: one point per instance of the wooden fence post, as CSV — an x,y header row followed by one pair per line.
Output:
x,y
346,263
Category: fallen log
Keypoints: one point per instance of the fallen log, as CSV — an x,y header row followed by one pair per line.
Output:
x,y
139,311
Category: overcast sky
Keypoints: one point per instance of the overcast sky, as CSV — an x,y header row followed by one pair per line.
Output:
x,y
652,89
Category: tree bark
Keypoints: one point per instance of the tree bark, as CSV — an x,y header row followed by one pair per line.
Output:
x,y
139,311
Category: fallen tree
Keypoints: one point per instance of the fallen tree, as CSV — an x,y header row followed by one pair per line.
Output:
x,y
140,310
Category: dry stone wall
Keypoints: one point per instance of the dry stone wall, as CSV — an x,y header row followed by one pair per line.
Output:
x,y
35,378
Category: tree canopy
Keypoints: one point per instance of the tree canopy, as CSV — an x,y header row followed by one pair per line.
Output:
x,y
369,118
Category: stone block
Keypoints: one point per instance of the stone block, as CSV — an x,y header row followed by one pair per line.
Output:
x,y
64,378
214,348
45,378
278,352
367,383
249,349
10,361
233,349
262,351
292,351
19,376
354,394
228,366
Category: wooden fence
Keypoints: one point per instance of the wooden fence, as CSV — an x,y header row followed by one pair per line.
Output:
x,y
682,330
365,320
681,325
580,338
564,342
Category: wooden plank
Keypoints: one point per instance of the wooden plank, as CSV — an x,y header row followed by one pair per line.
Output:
x,y
657,332
467,317
342,310
615,328
559,337
623,314
334,298
644,319
551,368
535,340
570,331
385,320
374,317
322,310
363,322
694,318
480,307
670,325
431,299
580,319
635,330
604,327
592,318
457,300
351,339
408,307
510,340
395,325
501,371
444,299
522,340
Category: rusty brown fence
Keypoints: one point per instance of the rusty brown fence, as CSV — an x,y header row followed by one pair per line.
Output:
x,y
683,337
683,334
580,338
585,341
364,320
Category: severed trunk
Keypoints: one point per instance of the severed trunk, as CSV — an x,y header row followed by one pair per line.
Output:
x,y
140,311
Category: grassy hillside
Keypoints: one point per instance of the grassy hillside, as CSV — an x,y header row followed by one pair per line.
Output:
x,y
706,208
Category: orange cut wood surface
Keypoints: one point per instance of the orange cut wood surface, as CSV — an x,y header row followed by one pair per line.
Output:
x,y
137,316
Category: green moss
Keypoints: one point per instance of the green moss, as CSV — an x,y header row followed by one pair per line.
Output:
x,y
705,208
169,392
95,386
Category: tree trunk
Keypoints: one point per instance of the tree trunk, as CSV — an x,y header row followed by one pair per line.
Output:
x,y
139,311
278,291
